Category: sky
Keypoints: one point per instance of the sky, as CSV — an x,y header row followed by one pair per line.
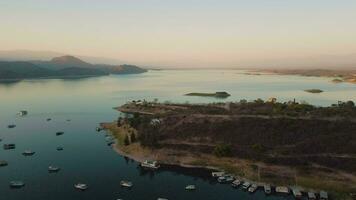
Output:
x,y
183,33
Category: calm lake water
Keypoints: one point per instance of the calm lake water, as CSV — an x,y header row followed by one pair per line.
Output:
x,y
87,158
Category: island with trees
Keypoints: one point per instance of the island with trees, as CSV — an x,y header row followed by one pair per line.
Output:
x,y
267,141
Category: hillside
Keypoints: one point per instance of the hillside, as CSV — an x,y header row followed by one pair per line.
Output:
x,y
61,67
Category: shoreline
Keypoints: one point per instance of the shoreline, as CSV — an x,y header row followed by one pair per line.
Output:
x,y
241,168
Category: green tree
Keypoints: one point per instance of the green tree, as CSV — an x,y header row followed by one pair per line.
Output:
x,y
223,150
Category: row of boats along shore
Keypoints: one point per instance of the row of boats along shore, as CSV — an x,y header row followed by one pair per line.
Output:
x,y
221,177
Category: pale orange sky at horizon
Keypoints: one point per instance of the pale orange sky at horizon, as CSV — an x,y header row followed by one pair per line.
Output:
x,y
183,33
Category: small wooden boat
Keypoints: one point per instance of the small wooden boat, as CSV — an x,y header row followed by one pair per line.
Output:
x,y
17,184
48,119
11,126
59,133
28,153
150,164
59,148
3,163
126,184
81,186
190,187
253,188
267,188
9,146
53,169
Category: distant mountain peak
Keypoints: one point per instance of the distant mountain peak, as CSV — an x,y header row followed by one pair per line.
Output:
x,y
69,60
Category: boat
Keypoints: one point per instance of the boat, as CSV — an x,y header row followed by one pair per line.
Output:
x,y
217,174
53,169
226,179
221,179
59,148
150,164
323,195
11,126
267,188
17,184
109,143
253,188
126,184
28,153
246,185
48,119
190,187
311,196
161,198
296,193
236,183
22,113
98,129
59,133
282,190
81,186
9,146
3,163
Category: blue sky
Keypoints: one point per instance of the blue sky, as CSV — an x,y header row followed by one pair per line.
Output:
x,y
182,32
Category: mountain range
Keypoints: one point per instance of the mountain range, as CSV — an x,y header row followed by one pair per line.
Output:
x,y
61,67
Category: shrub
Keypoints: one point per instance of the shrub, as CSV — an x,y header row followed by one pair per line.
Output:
x,y
223,150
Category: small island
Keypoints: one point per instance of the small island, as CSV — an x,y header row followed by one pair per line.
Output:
x,y
216,94
337,80
314,91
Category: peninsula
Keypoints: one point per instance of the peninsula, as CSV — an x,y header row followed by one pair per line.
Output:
x,y
280,143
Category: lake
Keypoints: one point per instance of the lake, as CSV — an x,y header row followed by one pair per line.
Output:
x,y
86,157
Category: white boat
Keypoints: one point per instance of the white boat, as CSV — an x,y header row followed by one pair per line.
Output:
x,y
217,174
236,183
28,153
17,184
81,186
323,195
53,169
252,188
127,184
282,190
190,187
296,193
22,113
150,164
246,185
267,188
311,196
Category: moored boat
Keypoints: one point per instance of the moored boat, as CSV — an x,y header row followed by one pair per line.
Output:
x,y
17,184
81,186
11,126
3,163
246,185
267,188
22,113
53,169
311,196
236,183
190,187
28,153
59,133
323,195
9,146
253,188
59,148
48,119
297,193
126,184
150,164
282,190
217,174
